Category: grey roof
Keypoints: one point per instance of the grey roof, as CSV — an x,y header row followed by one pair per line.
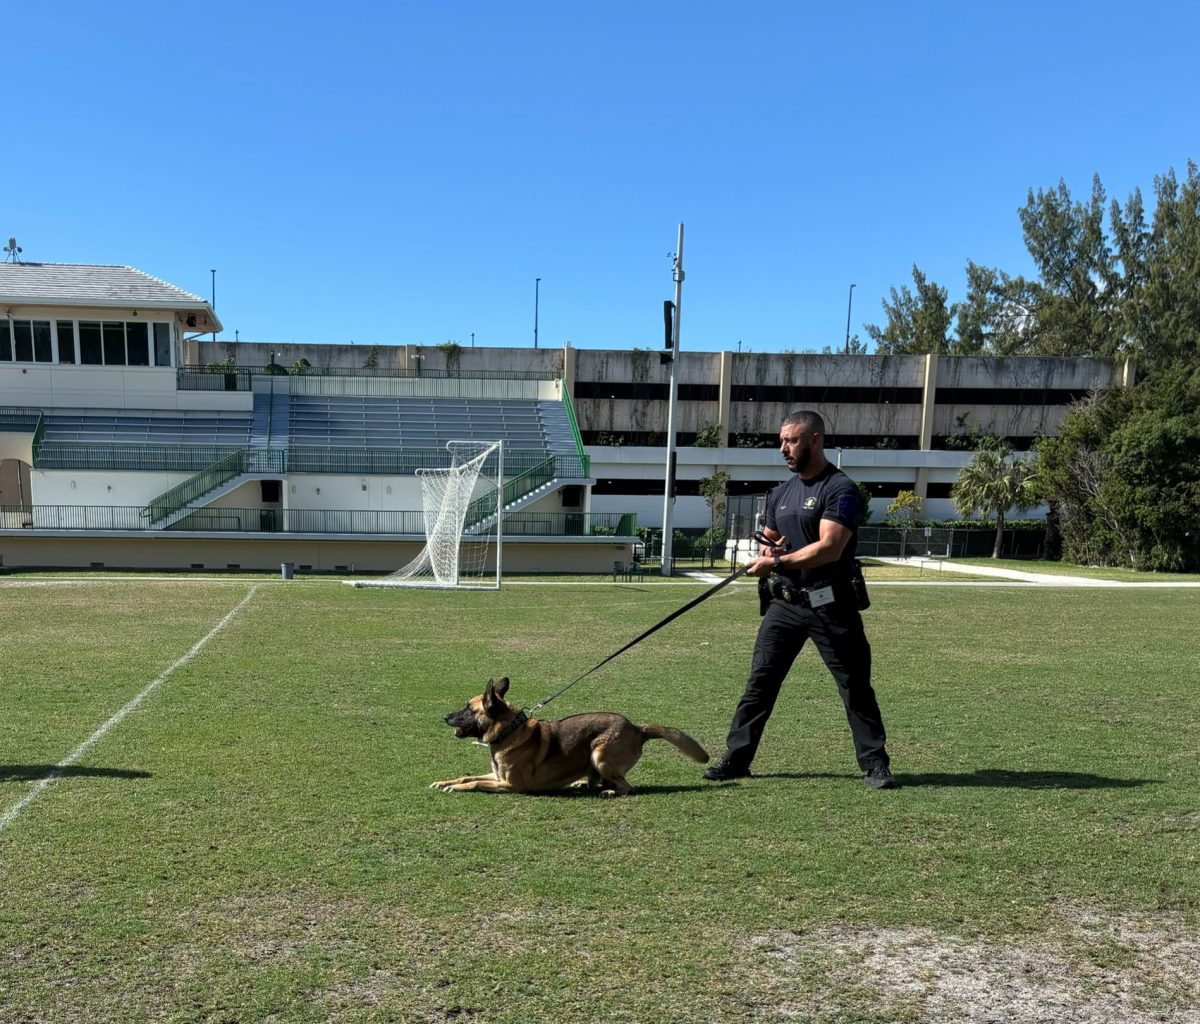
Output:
x,y
81,284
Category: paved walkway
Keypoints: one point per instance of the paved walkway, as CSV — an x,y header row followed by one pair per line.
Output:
x,y
1042,579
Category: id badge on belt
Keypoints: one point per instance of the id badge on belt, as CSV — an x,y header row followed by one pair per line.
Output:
x,y
820,597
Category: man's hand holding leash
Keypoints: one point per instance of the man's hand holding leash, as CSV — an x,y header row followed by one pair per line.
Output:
x,y
770,547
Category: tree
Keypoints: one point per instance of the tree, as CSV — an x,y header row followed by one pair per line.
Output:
x,y
1159,293
1074,297
994,481
998,314
715,490
709,436
915,323
1124,475
905,510
864,494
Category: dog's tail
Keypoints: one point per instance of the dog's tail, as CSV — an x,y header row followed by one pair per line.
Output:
x,y
687,746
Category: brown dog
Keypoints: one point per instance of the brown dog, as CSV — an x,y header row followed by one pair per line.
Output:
x,y
594,750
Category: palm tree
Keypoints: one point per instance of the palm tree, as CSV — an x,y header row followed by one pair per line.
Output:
x,y
995,480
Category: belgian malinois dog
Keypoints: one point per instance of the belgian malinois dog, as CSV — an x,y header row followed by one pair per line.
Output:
x,y
594,750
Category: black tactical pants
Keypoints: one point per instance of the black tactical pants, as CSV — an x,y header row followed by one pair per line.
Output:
x,y
837,632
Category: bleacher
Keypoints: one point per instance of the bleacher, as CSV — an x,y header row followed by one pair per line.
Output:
x,y
182,428
412,422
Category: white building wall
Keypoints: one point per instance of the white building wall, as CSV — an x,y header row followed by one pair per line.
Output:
x,y
341,491
99,487
108,387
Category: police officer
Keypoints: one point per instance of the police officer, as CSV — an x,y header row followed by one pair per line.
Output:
x,y
808,589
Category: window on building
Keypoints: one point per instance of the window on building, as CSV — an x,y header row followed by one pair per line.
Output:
x,y
137,342
66,341
114,343
91,351
162,344
43,351
90,342
28,341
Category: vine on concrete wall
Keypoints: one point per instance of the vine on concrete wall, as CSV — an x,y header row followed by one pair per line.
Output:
x,y
789,365
640,359
452,351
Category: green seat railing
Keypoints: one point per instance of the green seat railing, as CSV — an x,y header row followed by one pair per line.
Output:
x,y
341,522
182,495
171,458
515,488
584,458
39,432
244,460
16,418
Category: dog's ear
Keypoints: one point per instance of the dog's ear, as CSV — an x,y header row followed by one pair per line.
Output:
x,y
492,702
502,687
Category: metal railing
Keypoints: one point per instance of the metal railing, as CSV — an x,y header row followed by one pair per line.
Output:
x,y
39,434
342,522
423,386
215,369
515,488
950,542
218,378
585,459
532,470
172,458
16,418
245,460
297,459
181,495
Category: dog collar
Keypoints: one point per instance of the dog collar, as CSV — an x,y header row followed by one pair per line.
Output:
x,y
521,718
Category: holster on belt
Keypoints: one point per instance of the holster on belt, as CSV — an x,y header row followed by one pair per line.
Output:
x,y
781,588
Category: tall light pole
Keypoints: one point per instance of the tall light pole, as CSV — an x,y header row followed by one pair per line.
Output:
x,y
214,296
669,487
849,304
536,285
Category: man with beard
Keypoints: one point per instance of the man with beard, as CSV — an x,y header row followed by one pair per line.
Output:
x,y
806,587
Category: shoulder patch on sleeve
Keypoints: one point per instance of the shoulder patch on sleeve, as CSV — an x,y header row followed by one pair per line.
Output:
x,y
849,507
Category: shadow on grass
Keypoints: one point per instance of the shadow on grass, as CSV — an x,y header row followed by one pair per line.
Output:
x,y
1000,778
36,772
985,778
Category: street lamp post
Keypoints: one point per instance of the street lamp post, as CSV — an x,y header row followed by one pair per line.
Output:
x,y
213,271
849,304
536,284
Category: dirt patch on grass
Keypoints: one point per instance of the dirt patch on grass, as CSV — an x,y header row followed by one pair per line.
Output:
x,y
1098,969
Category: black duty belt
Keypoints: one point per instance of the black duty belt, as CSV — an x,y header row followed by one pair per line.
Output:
x,y
785,590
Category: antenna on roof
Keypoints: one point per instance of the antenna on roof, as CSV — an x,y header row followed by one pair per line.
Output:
x,y
12,251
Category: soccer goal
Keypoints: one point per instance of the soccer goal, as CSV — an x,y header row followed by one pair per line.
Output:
x,y
463,516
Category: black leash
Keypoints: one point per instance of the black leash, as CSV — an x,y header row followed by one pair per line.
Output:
x,y
524,713
653,629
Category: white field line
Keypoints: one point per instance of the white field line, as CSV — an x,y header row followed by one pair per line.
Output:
x,y
10,815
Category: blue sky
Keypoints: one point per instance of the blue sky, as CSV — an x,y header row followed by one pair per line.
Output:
x,y
401,173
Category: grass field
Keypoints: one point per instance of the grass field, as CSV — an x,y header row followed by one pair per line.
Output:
x,y
256,840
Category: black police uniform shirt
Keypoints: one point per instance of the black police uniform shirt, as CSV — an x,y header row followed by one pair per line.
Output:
x,y
795,509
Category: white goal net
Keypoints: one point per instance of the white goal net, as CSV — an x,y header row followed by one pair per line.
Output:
x,y
462,514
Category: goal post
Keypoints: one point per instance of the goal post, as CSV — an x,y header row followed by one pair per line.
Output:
x,y
462,509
